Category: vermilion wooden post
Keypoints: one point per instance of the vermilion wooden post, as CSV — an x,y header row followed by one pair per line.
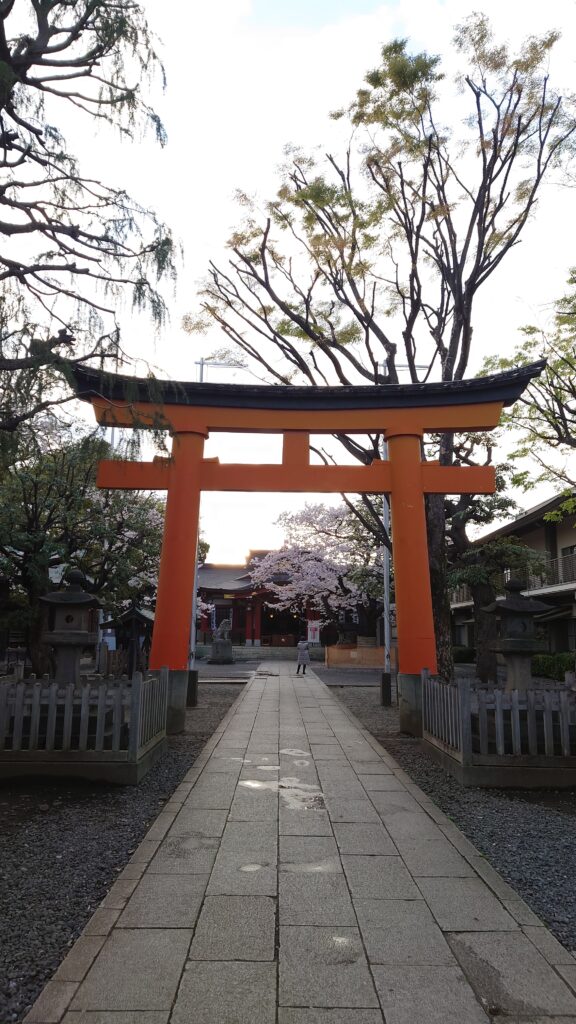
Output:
x,y
248,630
171,636
417,646
257,622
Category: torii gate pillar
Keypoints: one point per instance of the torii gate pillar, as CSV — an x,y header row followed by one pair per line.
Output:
x,y
175,597
414,613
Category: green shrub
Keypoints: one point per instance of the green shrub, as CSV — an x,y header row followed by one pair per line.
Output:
x,y
553,666
464,655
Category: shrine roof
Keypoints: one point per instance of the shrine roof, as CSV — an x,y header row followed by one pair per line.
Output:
x,y
145,615
90,383
223,577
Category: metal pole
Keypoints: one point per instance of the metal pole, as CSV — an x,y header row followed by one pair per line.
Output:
x,y
386,565
192,643
386,570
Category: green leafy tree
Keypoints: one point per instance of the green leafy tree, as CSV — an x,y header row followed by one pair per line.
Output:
x,y
545,416
53,515
72,247
375,259
483,566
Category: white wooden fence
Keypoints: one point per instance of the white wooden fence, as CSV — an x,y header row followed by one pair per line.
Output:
x,y
103,719
489,726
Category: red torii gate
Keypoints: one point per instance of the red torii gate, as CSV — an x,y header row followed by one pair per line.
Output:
x,y
403,413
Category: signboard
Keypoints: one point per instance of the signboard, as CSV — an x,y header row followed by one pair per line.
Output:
x,y
313,632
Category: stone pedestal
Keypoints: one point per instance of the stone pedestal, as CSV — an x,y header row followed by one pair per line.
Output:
x,y
221,653
192,693
410,703
518,670
177,694
67,660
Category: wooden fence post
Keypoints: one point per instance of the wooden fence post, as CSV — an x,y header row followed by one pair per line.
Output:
x,y
465,720
135,701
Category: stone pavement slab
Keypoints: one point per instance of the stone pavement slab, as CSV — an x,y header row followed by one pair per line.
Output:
x,y
379,877
315,823
401,932
465,904
317,1015
427,995
165,901
235,993
235,928
102,1017
509,974
186,855
362,838
324,967
298,876
136,970
320,899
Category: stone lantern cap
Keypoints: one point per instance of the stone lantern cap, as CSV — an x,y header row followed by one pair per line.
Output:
x,y
516,614
516,603
74,593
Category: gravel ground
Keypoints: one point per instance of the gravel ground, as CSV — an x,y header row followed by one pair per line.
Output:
x,y
529,836
62,846
347,676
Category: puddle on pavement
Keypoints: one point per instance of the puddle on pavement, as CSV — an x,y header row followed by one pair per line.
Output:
x,y
295,795
251,867
300,796
272,787
295,753
311,868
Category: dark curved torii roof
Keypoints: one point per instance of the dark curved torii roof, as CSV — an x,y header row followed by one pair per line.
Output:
x,y
505,387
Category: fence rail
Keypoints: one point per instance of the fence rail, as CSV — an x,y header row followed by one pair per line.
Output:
x,y
553,573
488,726
114,719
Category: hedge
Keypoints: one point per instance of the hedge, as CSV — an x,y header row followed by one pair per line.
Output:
x,y
464,655
553,666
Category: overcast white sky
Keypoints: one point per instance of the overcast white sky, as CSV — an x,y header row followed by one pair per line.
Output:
x,y
245,77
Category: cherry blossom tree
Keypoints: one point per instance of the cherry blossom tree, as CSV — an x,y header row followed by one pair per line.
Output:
x,y
329,564
349,533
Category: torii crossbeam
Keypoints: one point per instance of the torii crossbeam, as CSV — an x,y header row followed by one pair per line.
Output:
x,y
403,413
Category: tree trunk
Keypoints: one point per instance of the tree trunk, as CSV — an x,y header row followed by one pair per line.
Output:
x,y
484,633
436,524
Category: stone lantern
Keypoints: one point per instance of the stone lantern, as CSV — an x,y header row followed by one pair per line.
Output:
x,y
518,641
70,625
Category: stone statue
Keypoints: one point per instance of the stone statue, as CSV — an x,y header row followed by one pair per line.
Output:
x,y
222,645
223,630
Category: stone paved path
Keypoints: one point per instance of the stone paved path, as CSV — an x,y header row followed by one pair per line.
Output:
x,y
297,876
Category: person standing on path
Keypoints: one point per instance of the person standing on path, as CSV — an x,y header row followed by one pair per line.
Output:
x,y
303,656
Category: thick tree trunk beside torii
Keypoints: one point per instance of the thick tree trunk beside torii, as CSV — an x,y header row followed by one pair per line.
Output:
x,y
436,527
